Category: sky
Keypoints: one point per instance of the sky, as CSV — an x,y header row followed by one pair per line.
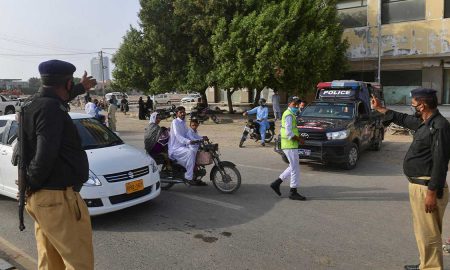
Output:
x,y
33,31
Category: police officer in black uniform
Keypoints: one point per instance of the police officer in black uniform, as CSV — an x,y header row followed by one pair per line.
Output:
x,y
57,167
425,166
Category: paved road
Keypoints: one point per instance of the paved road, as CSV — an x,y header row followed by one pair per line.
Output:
x,y
353,220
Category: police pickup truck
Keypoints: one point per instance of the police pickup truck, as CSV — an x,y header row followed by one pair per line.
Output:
x,y
340,124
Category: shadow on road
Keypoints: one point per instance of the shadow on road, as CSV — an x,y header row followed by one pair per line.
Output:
x,y
183,209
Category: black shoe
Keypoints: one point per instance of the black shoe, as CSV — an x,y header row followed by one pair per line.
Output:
x,y
198,183
294,195
412,267
276,186
263,144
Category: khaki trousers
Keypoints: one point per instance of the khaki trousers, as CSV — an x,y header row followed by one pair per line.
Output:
x,y
63,230
428,227
112,122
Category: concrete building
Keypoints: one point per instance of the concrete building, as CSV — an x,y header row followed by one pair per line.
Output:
x,y
414,44
96,68
11,84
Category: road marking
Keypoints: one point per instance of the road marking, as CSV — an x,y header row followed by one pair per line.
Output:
x,y
270,169
256,167
19,256
211,201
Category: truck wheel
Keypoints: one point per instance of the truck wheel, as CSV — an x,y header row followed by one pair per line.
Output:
x,y
352,157
10,110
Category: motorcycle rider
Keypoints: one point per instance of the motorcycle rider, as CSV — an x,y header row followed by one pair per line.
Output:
x,y
262,113
290,140
179,143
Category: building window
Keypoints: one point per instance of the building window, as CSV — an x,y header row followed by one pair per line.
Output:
x,y
447,9
393,11
352,13
397,85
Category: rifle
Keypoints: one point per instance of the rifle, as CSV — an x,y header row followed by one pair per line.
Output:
x,y
22,173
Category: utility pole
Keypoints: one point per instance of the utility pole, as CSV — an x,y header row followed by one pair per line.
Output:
x,y
379,41
102,72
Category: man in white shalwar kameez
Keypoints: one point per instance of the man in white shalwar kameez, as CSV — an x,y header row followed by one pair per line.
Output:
x,y
179,143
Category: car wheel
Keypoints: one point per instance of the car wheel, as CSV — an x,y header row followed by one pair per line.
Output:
x,y
352,157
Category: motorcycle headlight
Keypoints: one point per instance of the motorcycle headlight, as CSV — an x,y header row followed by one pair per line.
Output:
x,y
338,135
92,181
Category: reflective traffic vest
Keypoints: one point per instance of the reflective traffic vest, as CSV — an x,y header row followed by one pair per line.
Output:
x,y
286,143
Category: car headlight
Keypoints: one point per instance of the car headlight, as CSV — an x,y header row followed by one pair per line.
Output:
x,y
92,181
338,135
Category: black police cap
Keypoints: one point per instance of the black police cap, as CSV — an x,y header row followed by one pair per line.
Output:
x,y
56,68
423,92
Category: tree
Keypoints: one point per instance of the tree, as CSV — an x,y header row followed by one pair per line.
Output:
x,y
133,68
34,84
289,45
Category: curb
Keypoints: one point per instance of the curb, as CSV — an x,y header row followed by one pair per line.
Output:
x,y
17,256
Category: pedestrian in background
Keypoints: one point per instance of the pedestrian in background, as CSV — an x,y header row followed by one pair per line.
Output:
x,y
142,109
276,105
124,105
89,108
149,105
112,109
290,140
425,166
57,166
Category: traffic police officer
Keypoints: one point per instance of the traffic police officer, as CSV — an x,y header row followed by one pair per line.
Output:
x,y
425,166
290,140
57,167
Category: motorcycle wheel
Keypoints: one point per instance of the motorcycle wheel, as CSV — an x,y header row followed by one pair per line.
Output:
x,y
228,183
269,136
214,118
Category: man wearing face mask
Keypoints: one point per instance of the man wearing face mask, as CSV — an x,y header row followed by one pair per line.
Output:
x,y
290,140
262,114
425,166
57,166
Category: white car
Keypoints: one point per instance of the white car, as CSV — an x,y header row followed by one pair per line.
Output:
x,y
162,99
8,106
120,175
191,98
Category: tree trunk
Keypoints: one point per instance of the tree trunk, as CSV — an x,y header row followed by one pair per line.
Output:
x,y
257,97
204,98
230,102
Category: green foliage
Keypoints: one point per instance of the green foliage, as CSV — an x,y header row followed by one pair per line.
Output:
x,y
190,45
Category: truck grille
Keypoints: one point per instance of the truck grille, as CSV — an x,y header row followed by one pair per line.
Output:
x,y
127,175
317,136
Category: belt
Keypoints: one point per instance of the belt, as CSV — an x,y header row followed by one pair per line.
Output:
x,y
419,180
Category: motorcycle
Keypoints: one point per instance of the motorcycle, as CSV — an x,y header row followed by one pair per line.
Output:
x,y
252,128
225,176
203,115
167,112
396,129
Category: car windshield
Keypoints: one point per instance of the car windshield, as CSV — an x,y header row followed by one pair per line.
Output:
x,y
329,110
95,135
